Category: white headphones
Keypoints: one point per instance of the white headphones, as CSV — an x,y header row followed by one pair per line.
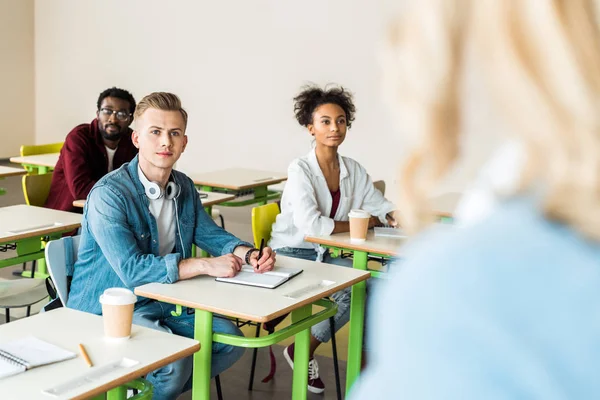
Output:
x,y
155,192
171,192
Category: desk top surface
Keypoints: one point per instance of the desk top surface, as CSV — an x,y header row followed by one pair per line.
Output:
x,y
67,328
10,171
374,244
317,280
211,199
44,160
238,178
23,221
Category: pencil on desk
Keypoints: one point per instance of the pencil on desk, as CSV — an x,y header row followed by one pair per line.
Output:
x,y
85,355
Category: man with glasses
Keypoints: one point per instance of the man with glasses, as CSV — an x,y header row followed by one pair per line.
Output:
x,y
93,150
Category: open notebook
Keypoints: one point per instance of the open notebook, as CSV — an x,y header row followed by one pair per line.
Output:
x,y
22,354
270,279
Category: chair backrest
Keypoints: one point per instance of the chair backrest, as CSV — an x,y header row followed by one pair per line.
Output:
x,y
380,185
33,149
263,218
36,188
61,255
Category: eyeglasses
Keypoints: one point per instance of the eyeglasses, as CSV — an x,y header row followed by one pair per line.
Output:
x,y
121,115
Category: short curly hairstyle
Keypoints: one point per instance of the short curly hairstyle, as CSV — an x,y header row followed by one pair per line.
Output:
x,y
312,96
119,94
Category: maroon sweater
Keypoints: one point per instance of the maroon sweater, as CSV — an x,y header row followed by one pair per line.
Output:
x,y
82,162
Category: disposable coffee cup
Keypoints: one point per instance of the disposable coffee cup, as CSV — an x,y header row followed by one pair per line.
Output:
x,y
359,224
117,312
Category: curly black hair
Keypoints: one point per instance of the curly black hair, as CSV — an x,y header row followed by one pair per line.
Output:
x,y
119,94
312,96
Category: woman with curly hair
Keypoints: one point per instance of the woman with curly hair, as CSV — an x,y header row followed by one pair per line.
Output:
x,y
321,189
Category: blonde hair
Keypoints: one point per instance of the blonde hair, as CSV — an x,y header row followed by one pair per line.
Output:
x,y
160,101
539,62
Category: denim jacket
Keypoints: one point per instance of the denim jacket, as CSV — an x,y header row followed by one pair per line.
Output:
x,y
119,238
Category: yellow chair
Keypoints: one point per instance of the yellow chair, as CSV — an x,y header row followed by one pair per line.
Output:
x,y
36,189
31,150
263,218
34,149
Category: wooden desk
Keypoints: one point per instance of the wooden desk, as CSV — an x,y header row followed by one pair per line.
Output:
x,y
208,296
43,163
376,246
240,180
67,328
210,200
27,226
8,171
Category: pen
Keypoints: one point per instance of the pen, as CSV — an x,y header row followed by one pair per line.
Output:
x,y
85,355
260,251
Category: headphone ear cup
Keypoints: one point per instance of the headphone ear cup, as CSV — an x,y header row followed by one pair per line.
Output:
x,y
153,191
172,191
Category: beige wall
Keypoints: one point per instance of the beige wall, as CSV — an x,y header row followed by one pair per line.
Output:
x,y
16,75
236,65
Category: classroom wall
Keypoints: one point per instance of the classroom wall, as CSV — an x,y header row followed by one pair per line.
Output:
x,y
236,65
16,75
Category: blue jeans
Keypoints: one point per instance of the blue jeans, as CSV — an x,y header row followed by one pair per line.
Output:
x,y
322,331
172,380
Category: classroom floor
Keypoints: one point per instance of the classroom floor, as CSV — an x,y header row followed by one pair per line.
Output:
x,y
235,380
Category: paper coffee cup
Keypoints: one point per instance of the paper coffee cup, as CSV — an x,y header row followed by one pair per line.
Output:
x,y
359,225
117,312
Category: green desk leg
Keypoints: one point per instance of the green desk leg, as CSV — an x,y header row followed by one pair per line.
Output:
x,y
301,348
43,170
99,397
203,324
118,393
357,320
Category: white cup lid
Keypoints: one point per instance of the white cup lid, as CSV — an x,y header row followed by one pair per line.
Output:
x,y
118,297
358,214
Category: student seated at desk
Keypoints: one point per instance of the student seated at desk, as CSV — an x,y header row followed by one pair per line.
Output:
x,y
321,189
139,224
93,150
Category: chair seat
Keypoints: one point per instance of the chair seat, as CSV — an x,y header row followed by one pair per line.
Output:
x,y
21,292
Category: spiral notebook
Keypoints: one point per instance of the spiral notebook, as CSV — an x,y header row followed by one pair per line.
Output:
x,y
22,354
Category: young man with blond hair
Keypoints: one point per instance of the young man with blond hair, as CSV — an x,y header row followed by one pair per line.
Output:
x,y
139,225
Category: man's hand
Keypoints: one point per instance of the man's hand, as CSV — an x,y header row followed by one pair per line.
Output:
x,y
226,266
266,262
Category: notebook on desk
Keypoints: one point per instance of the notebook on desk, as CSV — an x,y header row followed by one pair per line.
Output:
x,y
385,231
22,354
270,279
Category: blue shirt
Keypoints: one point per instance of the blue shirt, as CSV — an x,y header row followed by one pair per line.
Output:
x,y
507,308
119,244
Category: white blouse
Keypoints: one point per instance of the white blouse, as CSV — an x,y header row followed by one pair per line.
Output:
x,y
306,202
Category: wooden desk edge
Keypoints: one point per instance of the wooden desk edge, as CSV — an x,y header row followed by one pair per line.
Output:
x,y
16,173
217,202
351,246
254,318
266,182
139,373
41,232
